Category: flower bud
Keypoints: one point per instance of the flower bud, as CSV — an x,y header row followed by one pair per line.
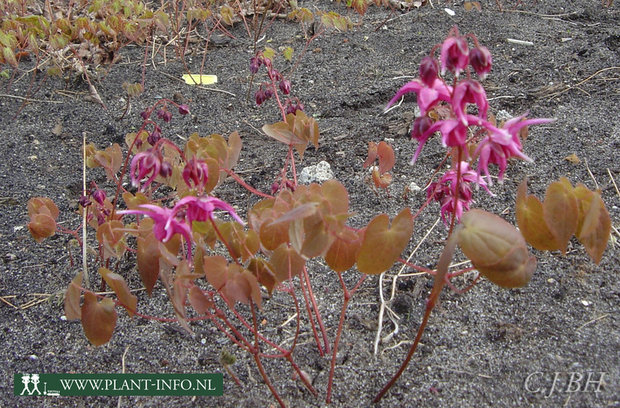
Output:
x,y
164,114
419,127
154,136
259,96
496,249
99,196
183,110
285,86
428,70
165,170
255,64
481,60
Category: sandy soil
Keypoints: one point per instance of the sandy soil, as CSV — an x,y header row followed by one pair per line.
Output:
x,y
479,348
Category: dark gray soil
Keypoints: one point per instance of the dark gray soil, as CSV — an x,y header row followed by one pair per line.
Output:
x,y
480,347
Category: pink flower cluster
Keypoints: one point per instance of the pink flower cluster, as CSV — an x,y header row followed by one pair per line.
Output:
x,y
179,219
495,145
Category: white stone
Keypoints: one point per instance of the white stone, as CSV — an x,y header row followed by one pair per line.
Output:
x,y
320,172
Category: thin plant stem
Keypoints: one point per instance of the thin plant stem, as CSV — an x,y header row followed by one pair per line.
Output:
x,y
440,281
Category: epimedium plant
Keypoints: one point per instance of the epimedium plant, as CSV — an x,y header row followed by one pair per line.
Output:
x,y
216,268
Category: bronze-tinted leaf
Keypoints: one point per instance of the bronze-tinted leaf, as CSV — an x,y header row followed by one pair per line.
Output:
x,y
337,196
199,301
343,251
263,272
281,132
72,298
386,157
560,212
148,261
594,226
216,270
382,245
273,235
286,262
496,249
119,286
42,205
529,212
98,319
110,235
372,154
41,226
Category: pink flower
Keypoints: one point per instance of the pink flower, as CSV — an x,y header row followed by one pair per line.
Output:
x,y
201,209
196,172
502,144
165,224
445,190
427,96
454,54
143,164
469,91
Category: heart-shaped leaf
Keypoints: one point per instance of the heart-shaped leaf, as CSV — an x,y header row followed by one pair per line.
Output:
x,y
264,273
560,211
148,261
286,262
343,251
386,157
72,298
119,286
199,301
98,319
594,226
529,211
382,245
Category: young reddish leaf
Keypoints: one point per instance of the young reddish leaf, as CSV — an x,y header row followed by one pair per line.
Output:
x,y
299,212
148,261
316,237
372,154
264,273
72,298
286,262
382,245
110,235
119,286
529,211
216,269
496,249
386,157
242,244
343,251
110,159
281,132
272,235
42,205
241,286
337,196
41,226
381,180
594,226
560,211
199,301
98,319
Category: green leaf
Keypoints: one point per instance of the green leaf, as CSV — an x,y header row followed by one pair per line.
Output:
x,y
382,245
288,53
